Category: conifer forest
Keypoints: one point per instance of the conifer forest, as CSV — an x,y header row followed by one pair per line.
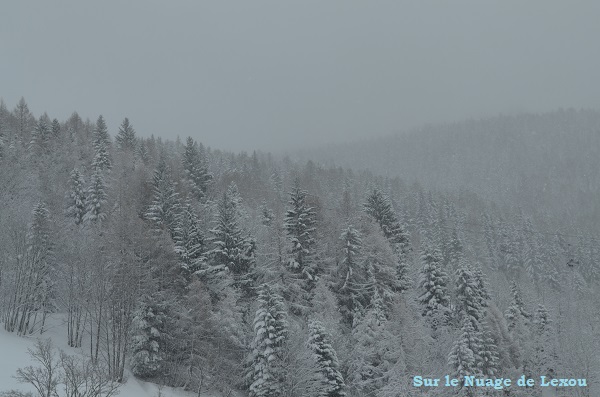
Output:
x,y
263,275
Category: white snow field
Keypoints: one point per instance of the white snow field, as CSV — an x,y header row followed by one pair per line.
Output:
x,y
14,355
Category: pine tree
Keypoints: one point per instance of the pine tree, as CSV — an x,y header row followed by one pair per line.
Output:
x,y
189,242
195,169
55,128
380,267
24,119
378,206
455,250
101,144
41,282
41,136
472,299
489,354
350,286
76,199
299,224
518,320
233,251
142,152
371,345
469,295
101,159
544,355
516,311
148,338
463,358
434,286
101,137
96,198
164,208
331,379
126,137
264,375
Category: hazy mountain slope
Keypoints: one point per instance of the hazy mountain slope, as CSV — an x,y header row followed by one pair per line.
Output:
x,y
546,162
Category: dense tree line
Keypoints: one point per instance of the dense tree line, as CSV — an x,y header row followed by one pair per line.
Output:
x,y
211,270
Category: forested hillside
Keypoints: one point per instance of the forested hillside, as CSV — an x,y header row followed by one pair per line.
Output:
x,y
546,164
248,273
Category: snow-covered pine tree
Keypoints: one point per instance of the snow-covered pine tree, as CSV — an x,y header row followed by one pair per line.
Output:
x,y
518,320
126,137
164,207
320,343
76,198
142,152
264,373
95,199
469,295
371,344
148,337
233,250
544,356
195,168
455,250
378,206
55,128
434,287
531,254
472,296
463,358
489,355
516,310
101,144
350,283
41,249
189,242
41,136
482,284
300,227
101,136
380,267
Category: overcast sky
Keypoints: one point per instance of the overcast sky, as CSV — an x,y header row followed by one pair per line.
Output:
x,y
244,75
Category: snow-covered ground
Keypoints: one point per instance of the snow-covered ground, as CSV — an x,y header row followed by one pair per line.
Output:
x,y
13,355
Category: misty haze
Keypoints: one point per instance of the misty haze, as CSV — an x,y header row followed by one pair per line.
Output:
x,y
299,199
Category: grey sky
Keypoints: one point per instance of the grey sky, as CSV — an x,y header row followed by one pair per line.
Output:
x,y
247,74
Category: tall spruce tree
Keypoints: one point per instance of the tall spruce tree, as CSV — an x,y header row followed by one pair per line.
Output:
x,y
472,296
96,198
76,199
126,137
300,226
369,360
164,208
101,144
195,169
463,358
55,128
41,274
434,287
378,206
264,372
149,337
41,136
332,382
233,250
350,283
516,311
190,244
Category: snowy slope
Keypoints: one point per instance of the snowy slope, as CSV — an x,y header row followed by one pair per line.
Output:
x,y
13,355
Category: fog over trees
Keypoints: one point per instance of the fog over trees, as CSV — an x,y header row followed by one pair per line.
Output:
x,y
463,249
